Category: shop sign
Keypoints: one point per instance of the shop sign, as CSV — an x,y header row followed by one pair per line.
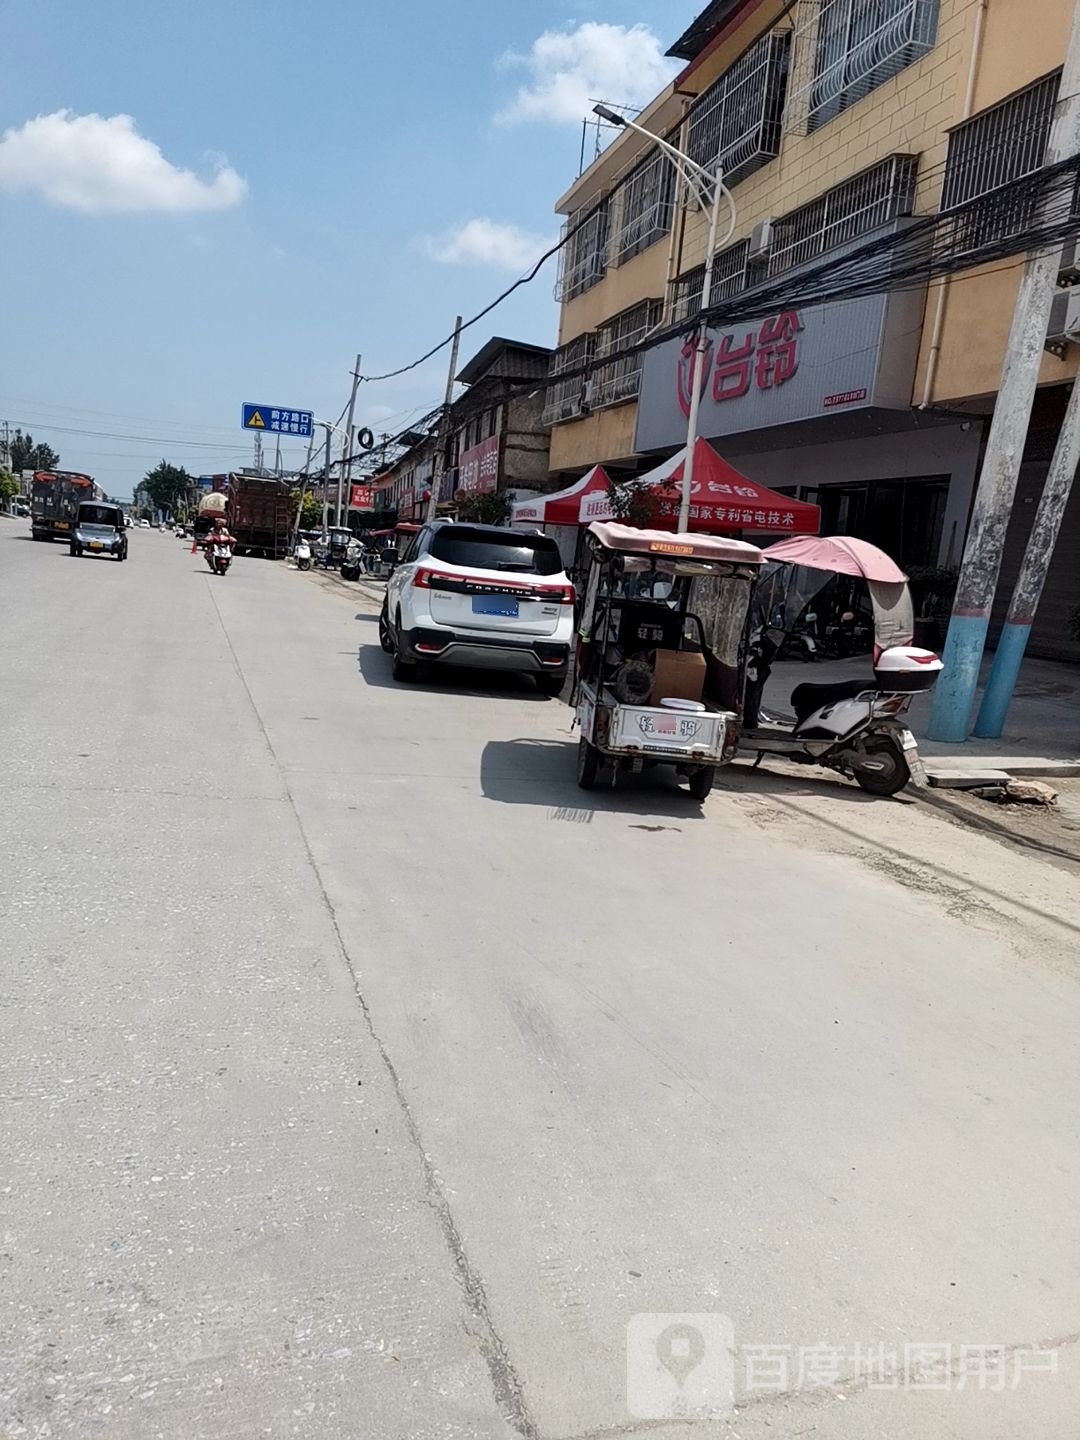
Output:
x,y
478,468
787,366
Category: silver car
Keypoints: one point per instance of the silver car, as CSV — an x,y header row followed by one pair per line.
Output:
x,y
99,530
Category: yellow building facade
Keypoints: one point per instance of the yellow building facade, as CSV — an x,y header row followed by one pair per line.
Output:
x,y
836,121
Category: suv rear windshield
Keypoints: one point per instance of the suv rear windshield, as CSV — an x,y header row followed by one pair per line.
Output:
x,y
494,550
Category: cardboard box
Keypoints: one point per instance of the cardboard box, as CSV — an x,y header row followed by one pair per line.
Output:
x,y
679,675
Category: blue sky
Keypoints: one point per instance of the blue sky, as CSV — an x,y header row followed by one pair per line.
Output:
x,y
342,159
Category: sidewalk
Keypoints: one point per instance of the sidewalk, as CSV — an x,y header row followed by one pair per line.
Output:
x,y
1042,732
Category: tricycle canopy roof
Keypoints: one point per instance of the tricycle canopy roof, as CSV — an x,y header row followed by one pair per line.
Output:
x,y
673,545
842,554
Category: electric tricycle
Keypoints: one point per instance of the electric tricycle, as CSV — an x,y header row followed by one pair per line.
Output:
x,y
661,652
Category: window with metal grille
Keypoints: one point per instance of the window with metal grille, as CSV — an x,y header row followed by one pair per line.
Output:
x,y
583,259
647,205
993,149
620,379
739,117
844,49
565,398
869,199
730,276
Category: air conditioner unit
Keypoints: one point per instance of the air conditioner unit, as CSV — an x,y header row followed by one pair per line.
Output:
x,y
1069,269
1064,327
760,240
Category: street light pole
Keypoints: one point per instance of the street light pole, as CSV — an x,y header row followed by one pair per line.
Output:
x,y
707,187
697,367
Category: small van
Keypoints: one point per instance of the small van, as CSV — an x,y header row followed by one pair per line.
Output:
x,y
99,530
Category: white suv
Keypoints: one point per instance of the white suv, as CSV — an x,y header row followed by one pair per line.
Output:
x,y
480,595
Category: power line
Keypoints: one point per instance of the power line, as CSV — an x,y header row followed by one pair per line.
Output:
x,y
1033,213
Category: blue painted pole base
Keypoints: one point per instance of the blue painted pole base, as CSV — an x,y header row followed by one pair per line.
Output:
x,y
954,694
1002,682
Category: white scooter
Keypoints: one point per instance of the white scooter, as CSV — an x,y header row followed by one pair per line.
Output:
x,y
303,554
851,726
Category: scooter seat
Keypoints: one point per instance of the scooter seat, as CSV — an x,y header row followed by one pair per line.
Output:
x,y
809,697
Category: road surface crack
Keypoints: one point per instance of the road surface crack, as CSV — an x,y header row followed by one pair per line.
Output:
x,y
506,1384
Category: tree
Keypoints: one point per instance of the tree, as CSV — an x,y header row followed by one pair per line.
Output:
x,y
25,455
485,509
9,488
167,485
310,510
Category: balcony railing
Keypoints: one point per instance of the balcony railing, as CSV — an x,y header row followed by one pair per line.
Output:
x,y
844,49
739,117
869,199
730,277
583,259
619,380
565,399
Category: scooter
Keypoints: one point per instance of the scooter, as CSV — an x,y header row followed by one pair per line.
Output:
x,y
303,555
218,556
851,726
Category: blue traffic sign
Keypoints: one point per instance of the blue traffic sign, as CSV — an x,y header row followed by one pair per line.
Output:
x,y
277,420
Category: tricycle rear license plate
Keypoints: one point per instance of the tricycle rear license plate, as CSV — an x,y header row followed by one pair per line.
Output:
x,y
495,605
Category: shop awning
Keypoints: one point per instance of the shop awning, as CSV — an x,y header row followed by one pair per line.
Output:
x,y
721,499
564,506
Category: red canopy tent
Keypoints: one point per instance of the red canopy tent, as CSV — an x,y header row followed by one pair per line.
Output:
x,y
721,499
564,506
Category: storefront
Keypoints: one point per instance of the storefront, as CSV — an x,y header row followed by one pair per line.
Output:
x,y
816,404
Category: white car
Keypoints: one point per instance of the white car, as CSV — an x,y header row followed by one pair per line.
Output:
x,y
144,524
480,595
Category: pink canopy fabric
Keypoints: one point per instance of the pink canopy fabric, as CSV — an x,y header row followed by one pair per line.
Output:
x,y
721,499
564,506
841,553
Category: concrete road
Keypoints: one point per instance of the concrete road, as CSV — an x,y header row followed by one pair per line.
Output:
x,y
364,1078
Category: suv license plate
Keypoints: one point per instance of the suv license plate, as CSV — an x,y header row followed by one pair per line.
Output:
x,y
495,605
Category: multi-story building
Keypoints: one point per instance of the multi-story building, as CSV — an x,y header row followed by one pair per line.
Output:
x,y
497,440
836,121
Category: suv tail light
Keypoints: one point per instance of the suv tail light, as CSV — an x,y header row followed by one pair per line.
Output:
x,y
422,578
560,594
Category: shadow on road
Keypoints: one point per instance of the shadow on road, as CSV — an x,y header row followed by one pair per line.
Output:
x,y
747,779
375,664
542,772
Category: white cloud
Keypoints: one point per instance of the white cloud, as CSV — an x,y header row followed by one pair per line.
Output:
x,y
98,163
568,69
487,242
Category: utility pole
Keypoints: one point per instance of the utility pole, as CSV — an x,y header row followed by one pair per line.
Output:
x,y
346,444
444,423
1032,577
304,486
326,480
955,691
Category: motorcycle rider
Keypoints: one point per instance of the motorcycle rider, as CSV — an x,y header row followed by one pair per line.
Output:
x,y
219,535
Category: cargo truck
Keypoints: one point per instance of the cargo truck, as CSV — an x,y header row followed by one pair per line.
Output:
x,y
55,497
